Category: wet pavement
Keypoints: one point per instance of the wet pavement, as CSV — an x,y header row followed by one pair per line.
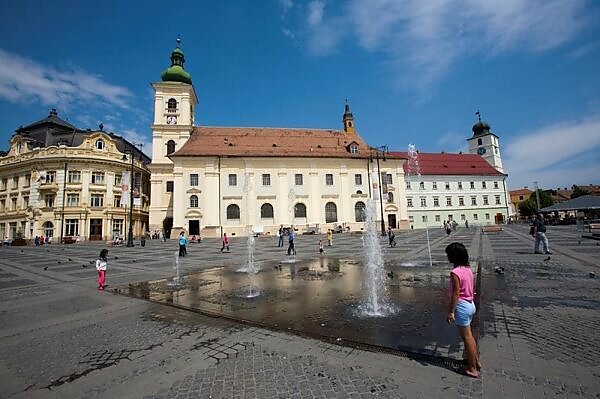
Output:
x,y
537,327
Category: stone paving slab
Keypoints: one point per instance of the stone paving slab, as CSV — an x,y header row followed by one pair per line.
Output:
x,y
60,338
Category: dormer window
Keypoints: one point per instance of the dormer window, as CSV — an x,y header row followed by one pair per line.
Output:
x,y
353,148
19,148
100,144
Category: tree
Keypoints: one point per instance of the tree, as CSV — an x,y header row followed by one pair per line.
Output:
x,y
578,192
529,206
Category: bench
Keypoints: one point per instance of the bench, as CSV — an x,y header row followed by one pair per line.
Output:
x,y
491,229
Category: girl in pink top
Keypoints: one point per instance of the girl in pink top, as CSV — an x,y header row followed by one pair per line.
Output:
x,y
462,308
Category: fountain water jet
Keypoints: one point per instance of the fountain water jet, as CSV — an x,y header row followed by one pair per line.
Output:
x,y
177,279
413,169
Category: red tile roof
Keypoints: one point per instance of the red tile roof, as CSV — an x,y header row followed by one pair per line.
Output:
x,y
451,164
273,142
521,191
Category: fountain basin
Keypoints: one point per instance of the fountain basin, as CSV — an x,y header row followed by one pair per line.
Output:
x,y
322,298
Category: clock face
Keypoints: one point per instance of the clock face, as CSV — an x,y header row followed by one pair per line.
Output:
x,y
481,151
171,120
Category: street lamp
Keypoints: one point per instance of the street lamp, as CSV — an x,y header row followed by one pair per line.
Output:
x,y
380,152
130,232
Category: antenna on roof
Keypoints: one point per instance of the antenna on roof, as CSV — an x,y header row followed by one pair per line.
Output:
x,y
478,115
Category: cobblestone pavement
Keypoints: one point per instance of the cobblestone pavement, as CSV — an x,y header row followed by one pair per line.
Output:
x,y
61,338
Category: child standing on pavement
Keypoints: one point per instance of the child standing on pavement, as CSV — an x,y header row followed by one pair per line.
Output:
x,y
225,243
101,264
462,306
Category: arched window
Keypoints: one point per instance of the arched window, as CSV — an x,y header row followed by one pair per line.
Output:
x,y
266,211
330,212
233,212
99,144
390,196
359,211
479,141
172,105
48,229
300,210
194,201
170,147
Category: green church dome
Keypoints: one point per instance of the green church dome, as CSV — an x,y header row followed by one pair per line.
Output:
x,y
176,73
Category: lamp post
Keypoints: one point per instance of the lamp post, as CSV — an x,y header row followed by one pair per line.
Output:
x,y
130,232
537,196
380,153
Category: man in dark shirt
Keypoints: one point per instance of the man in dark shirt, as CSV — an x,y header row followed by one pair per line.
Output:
x,y
539,233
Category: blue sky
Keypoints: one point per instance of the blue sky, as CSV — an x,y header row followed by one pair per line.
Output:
x,y
413,71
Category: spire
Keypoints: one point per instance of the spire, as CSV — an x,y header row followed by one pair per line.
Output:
x,y
348,119
176,72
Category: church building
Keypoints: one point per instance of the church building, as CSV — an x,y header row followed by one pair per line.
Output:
x,y
240,180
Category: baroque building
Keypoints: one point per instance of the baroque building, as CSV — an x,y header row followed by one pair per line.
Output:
x,y
59,181
210,180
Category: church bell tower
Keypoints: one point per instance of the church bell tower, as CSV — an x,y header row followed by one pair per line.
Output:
x,y
485,143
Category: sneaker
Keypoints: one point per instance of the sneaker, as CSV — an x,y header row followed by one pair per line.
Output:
x,y
538,252
548,253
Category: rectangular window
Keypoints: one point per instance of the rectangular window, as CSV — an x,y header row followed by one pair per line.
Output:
x,y
495,184
170,186
266,179
358,180
4,181
386,178
411,219
97,177
232,180
448,201
27,180
422,185
434,185
473,200
118,178
49,201
424,218
73,200
483,184
2,206
408,185
298,179
487,216
475,217
13,204
472,185
71,227
460,185
497,197
74,176
329,179
423,201
463,216
447,185
25,201
193,179
50,176
485,200
409,202
96,200
15,182
436,201
117,226
117,201
438,218
461,201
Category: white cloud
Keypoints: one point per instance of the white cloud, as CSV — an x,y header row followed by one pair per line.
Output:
x,y
286,5
423,39
315,12
288,33
553,155
24,80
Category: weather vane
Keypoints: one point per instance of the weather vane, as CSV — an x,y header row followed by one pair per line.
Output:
x,y
478,115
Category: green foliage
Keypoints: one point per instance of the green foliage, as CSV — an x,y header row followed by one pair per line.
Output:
x,y
529,206
578,192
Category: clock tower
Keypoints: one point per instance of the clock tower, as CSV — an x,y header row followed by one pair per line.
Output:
x,y
486,144
174,103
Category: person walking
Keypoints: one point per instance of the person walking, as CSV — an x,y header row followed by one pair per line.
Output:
x,y
101,264
321,249
329,238
291,248
280,236
225,243
462,306
539,233
448,228
391,237
182,244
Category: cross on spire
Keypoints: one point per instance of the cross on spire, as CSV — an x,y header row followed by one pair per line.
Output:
x,y
478,115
